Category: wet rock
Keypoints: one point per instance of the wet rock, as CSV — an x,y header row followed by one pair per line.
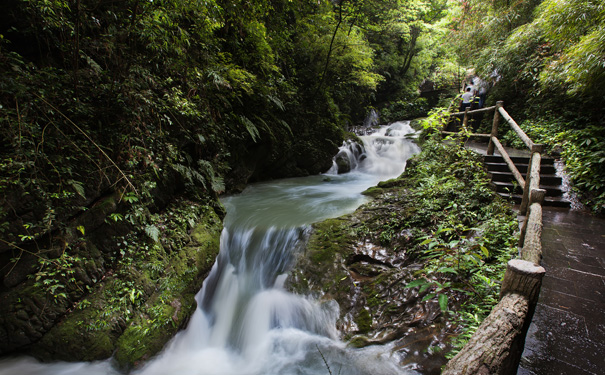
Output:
x,y
87,312
368,280
343,162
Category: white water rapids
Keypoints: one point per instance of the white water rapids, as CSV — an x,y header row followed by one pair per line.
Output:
x,y
246,322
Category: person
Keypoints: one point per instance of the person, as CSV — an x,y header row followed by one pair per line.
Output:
x,y
467,99
482,93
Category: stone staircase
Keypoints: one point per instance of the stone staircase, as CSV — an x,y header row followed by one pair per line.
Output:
x,y
506,185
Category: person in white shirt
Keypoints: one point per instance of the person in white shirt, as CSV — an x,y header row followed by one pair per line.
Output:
x,y
467,99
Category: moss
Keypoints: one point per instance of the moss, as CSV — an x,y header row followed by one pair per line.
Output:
x,y
364,321
86,334
145,337
359,341
329,238
148,296
373,192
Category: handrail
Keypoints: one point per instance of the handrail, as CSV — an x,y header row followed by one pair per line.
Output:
x,y
509,162
528,142
497,345
486,109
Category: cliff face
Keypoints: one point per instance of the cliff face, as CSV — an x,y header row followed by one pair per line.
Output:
x,y
104,287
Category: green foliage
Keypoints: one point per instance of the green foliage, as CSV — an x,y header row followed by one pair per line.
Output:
x,y
404,109
582,148
546,62
451,221
57,276
575,30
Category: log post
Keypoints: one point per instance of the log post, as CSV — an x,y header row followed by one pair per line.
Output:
x,y
524,278
531,233
532,177
497,345
465,121
495,123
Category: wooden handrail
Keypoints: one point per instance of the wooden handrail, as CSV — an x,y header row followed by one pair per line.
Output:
x,y
528,142
480,110
509,162
497,345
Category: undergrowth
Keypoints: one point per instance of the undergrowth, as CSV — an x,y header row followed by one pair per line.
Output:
x,y
448,218
582,148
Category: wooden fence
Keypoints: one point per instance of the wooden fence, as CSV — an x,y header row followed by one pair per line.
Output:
x,y
497,345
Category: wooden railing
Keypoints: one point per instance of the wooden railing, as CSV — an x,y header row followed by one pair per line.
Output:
x,y
497,345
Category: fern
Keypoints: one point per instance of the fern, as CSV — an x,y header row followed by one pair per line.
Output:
x,y
250,127
190,175
216,182
153,232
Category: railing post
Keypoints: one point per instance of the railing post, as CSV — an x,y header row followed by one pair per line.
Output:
x,y
465,121
536,152
495,123
535,196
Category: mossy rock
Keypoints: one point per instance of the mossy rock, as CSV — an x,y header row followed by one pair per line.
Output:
x,y
149,296
363,321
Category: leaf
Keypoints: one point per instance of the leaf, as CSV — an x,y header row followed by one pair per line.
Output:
x,y
425,287
415,283
78,188
153,232
130,197
447,270
250,127
485,251
81,229
443,302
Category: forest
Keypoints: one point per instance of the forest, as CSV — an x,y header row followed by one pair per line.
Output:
x,y
122,122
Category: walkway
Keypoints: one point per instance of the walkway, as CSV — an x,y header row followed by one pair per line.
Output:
x,y
567,333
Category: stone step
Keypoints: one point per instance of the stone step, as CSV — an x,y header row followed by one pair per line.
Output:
x,y
517,160
503,167
545,179
548,201
505,187
505,184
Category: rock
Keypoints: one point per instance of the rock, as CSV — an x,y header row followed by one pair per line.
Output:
x,y
342,162
129,311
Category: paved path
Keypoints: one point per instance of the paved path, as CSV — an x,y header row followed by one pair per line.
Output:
x,y
567,333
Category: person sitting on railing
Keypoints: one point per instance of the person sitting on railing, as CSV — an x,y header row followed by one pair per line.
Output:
x,y
467,99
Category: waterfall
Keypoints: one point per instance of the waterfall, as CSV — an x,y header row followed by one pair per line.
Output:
x,y
246,322
371,119
383,153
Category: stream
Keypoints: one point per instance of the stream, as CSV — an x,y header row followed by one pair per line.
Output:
x,y
246,322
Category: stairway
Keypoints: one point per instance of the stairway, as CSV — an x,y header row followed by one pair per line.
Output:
x,y
506,185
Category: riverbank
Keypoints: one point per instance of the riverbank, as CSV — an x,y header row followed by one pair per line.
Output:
x,y
419,266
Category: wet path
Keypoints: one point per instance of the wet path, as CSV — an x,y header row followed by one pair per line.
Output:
x,y
567,334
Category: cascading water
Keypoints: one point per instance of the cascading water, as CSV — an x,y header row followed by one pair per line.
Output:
x,y
246,322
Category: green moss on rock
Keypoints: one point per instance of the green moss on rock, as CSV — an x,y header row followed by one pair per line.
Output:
x,y
148,296
363,321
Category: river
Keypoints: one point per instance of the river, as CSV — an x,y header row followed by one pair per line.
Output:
x,y
246,322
